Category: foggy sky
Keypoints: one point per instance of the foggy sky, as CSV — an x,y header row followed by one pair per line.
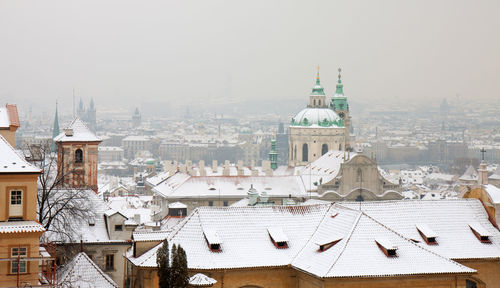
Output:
x,y
125,53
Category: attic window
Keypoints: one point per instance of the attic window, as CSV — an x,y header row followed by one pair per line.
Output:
x,y
278,237
387,247
482,234
325,245
427,234
91,221
211,187
213,239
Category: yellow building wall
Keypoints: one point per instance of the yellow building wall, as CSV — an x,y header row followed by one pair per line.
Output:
x,y
488,271
27,182
267,277
11,240
9,135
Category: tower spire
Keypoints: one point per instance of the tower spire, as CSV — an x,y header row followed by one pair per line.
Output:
x,y
55,130
340,86
317,75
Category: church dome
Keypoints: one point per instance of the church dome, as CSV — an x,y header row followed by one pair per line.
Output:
x,y
317,117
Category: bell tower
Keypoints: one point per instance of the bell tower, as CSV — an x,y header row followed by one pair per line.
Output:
x,y
317,99
77,156
341,107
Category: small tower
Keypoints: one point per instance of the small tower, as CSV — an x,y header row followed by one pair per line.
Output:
x,y
317,99
136,118
55,131
91,116
77,154
482,171
273,155
339,104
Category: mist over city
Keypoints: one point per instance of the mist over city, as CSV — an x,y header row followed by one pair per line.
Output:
x,y
249,144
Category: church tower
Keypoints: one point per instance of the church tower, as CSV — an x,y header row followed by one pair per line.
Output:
x,y
317,99
77,157
341,107
55,131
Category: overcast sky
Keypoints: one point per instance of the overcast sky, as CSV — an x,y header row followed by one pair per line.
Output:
x,y
205,51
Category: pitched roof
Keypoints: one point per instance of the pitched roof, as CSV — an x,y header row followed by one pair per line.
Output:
x,y
447,218
325,167
493,193
21,227
80,133
496,174
12,162
245,242
469,175
82,272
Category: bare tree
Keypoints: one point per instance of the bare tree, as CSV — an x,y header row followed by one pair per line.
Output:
x,y
59,207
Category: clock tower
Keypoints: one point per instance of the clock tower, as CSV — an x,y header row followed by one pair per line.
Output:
x,y
341,107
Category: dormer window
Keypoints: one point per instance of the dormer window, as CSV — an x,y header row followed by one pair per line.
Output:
x,y
278,237
91,221
213,239
427,234
325,245
78,156
480,232
387,247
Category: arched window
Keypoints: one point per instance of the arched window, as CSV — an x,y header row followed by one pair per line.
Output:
x,y
319,102
78,156
305,152
295,153
314,102
324,149
340,147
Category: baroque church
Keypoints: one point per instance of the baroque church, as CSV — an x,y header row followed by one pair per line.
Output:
x,y
322,126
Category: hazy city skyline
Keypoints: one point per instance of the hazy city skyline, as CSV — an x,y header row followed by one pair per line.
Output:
x,y
124,54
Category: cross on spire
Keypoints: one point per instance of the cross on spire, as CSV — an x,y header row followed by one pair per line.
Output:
x,y
340,70
482,153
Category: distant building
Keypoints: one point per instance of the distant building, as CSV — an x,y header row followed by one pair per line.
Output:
x,y
88,115
77,156
136,118
320,127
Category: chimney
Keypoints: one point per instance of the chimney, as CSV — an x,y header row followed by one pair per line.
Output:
x,y
225,172
240,168
214,166
201,166
252,196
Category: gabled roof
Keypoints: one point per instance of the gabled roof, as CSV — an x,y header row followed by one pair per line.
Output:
x,y
354,251
82,272
469,175
357,254
12,162
80,133
9,116
448,218
496,175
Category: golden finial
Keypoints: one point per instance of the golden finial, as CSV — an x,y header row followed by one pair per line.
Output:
x,y
317,74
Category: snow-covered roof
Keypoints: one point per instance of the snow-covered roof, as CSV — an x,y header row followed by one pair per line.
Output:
x,y
141,236
20,227
201,280
245,242
177,205
469,175
82,272
448,219
12,162
496,175
81,133
325,168
229,186
493,193
314,116
157,179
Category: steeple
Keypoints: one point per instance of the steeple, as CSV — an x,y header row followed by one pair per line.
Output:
x,y
273,155
317,99
318,89
55,131
340,86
